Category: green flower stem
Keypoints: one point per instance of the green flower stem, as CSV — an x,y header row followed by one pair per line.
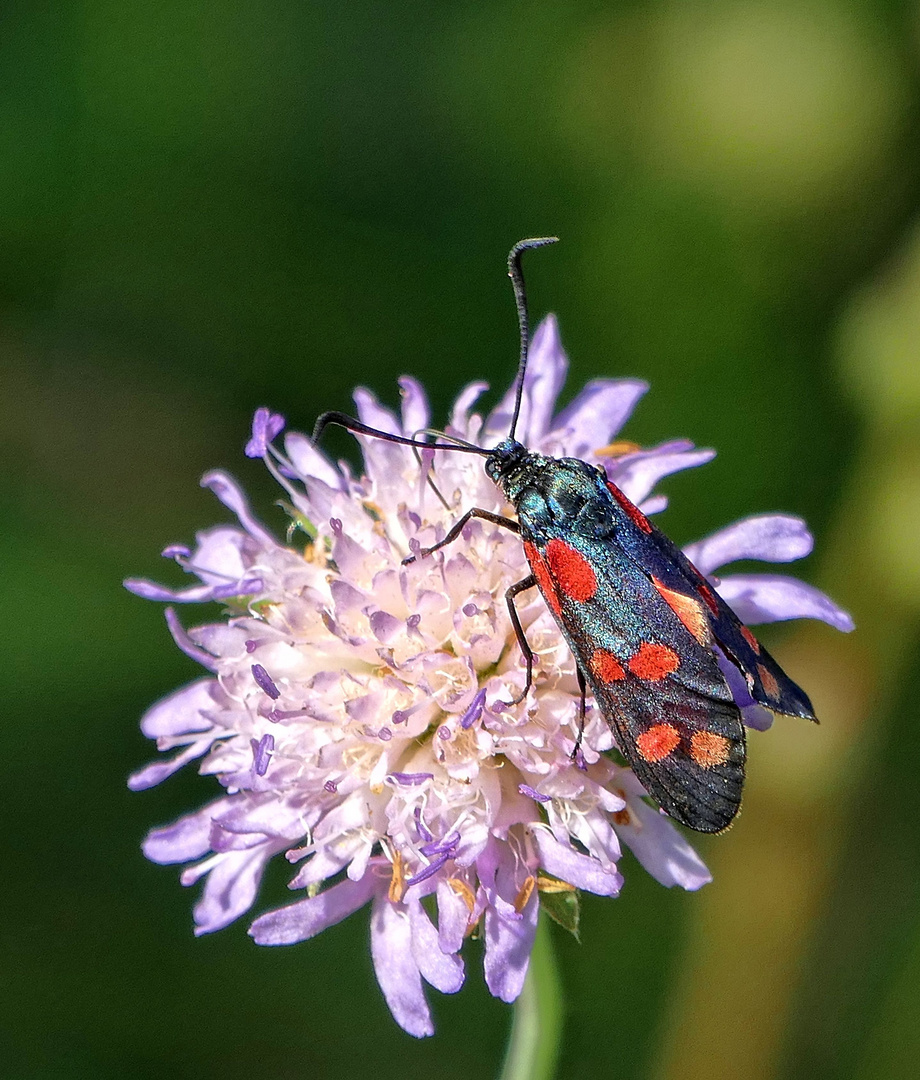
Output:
x,y
536,1031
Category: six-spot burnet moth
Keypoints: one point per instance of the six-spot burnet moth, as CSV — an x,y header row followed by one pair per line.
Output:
x,y
642,622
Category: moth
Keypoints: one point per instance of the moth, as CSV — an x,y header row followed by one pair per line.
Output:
x,y
644,625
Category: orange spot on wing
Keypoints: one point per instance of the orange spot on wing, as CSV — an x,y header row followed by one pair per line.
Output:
x,y
633,512
768,682
687,610
543,576
571,571
709,749
653,662
750,639
656,743
606,666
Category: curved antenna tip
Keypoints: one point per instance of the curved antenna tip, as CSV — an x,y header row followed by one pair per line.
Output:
x,y
528,243
520,299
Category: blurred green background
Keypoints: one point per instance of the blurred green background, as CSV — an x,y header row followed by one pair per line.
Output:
x,y
206,207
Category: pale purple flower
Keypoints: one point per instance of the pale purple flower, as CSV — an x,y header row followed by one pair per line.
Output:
x,y
355,711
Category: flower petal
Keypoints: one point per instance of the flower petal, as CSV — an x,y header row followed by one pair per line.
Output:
x,y
307,918
509,942
547,365
567,864
453,918
444,970
231,887
187,838
309,461
158,771
180,712
762,598
770,537
181,638
226,489
150,590
596,415
662,850
637,474
396,969
415,411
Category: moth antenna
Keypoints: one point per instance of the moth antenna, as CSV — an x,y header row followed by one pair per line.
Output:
x,y
340,419
429,479
520,299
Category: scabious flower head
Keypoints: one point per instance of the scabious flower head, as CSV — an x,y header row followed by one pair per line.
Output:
x,y
355,709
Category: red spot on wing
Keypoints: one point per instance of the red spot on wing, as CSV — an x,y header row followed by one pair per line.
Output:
x,y
606,666
708,595
750,639
656,743
571,570
632,511
653,662
689,612
543,576
709,749
768,682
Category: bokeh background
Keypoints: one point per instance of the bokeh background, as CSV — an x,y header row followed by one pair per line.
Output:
x,y
210,206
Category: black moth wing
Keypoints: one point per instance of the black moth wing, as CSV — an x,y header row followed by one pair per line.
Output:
x,y
660,689
662,561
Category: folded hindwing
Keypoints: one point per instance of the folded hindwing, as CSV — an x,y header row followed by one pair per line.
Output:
x,y
658,685
691,595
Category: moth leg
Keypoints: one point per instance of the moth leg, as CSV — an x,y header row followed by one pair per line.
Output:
x,y
457,528
581,712
521,586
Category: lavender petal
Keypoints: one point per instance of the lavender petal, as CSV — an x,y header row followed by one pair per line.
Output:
x,y
185,839
443,970
509,942
637,474
579,870
265,426
396,969
158,771
453,918
597,414
233,498
546,370
662,850
181,712
151,590
763,598
415,411
307,918
185,643
310,462
230,888
770,537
